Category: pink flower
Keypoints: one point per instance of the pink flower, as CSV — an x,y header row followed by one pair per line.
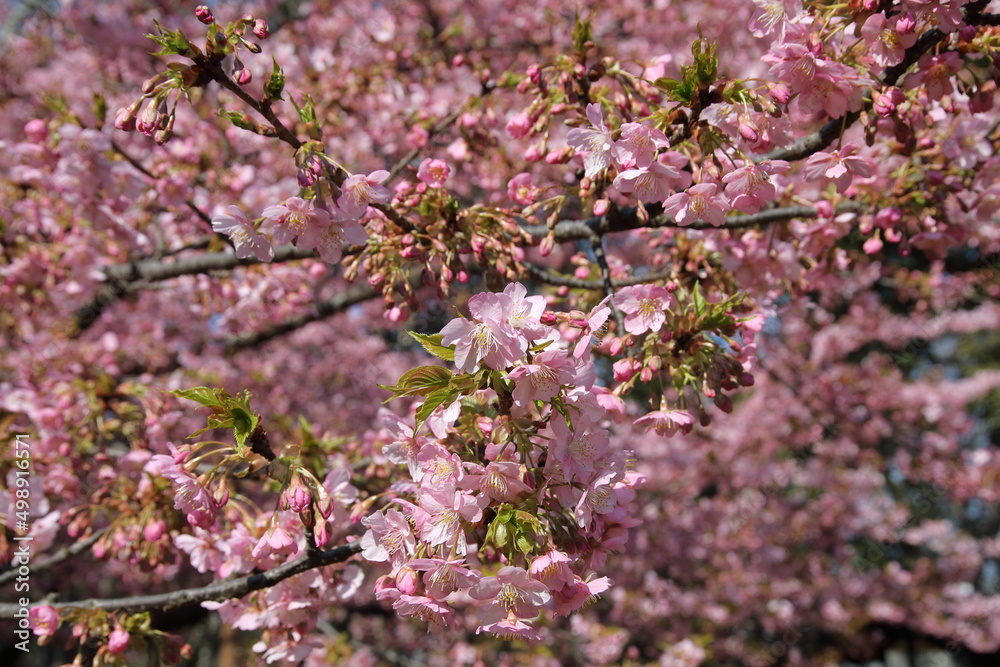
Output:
x,y
887,46
519,125
206,551
389,538
359,191
697,203
637,146
488,337
44,620
426,609
579,451
443,511
542,379
840,166
433,172
594,324
329,237
275,542
644,307
500,480
511,593
935,72
523,312
246,239
118,640
521,190
667,423
294,218
772,13
443,577
598,498
594,144
652,184
749,188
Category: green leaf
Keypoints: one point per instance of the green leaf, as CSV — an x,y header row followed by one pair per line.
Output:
x,y
307,111
434,400
172,42
203,395
244,421
698,299
276,84
420,381
237,118
525,545
432,343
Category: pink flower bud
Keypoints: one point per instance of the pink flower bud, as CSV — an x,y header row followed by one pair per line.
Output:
x,y
824,209
745,379
153,530
305,177
906,24
36,130
872,245
125,119
779,92
260,30
601,206
242,76
646,374
519,126
625,369
204,14
147,120
748,132
533,153
724,403
534,73
407,580
118,640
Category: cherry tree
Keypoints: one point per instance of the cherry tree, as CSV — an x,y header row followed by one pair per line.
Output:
x,y
550,333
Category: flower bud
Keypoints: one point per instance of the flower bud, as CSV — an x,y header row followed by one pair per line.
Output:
x,y
260,29
779,92
118,640
204,14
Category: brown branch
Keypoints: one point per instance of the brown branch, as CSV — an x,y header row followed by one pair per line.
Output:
x,y
321,310
217,591
546,276
58,557
626,219
825,136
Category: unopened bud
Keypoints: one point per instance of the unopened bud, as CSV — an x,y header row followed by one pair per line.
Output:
x,y
204,14
260,29
779,92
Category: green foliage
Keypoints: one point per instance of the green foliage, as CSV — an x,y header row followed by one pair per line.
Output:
x,y
228,411
694,78
432,343
275,84
172,42
514,531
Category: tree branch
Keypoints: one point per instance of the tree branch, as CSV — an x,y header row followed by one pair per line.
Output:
x,y
63,554
544,275
217,592
823,137
321,310
625,219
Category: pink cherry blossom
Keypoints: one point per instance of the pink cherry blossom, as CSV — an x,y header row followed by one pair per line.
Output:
x,y
667,422
840,166
594,143
358,191
698,202
512,592
44,620
644,307
520,189
389,537
246,239
887,45
433,172
749,188
637,146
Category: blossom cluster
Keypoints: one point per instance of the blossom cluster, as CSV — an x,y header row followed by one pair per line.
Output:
x,y
323,228
518,518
